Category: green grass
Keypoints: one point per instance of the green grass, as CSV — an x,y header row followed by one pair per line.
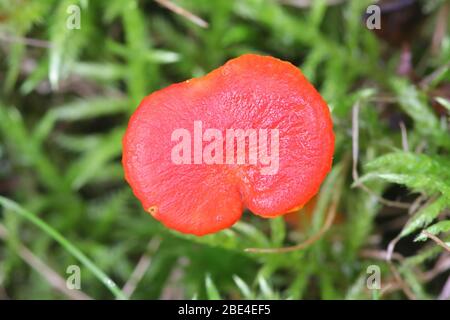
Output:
x,y
64,107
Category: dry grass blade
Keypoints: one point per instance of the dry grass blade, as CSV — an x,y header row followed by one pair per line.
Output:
x,y
405,144
141,267
380,255
52,277
355,141
183,12
26,41
308,3
440,29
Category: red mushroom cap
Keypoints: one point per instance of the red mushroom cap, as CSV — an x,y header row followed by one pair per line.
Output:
x,y
200,196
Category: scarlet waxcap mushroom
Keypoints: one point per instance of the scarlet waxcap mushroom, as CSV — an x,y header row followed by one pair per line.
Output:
x,y
253,133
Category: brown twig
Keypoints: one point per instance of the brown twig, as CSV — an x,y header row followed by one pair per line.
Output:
x,y
416,204
355,140
183,12
403,285
442,265
445,293
391,247
436,239
391,254
172,290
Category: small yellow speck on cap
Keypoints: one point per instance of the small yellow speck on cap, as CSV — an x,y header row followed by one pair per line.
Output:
x,y
153,210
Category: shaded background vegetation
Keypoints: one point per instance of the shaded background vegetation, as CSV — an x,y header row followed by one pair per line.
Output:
x,y
65,99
